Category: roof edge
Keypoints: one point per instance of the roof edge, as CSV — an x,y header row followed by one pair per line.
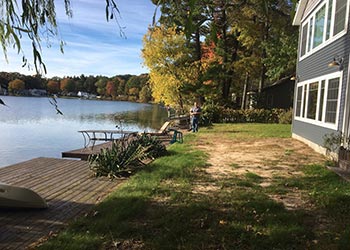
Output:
x,y
299,12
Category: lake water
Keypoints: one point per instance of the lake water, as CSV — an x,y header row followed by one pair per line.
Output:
x,y
30,126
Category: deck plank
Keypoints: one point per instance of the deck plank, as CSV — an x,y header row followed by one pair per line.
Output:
x,y
84,153
67,185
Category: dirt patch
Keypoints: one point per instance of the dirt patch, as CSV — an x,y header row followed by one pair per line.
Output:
x,y
268,158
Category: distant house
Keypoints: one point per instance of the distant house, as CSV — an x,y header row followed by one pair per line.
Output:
x,y
322,95
38,92
278,95
83,94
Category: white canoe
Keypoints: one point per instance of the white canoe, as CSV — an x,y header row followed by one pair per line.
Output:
x,y
19,197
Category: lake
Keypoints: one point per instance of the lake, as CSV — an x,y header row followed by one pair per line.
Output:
x,y
30,126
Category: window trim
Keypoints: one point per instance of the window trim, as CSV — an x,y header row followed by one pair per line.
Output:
x,y
304,100
309,50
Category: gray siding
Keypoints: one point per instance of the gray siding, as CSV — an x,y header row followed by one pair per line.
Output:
x,y
314,66
310,132
317,65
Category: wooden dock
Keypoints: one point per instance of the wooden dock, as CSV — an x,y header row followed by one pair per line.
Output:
x,y
68,186
84,153
69,189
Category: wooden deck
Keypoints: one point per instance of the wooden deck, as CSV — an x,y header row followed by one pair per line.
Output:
x,y
84,153
69,189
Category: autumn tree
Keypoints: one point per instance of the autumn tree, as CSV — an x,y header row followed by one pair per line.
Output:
x,y
67,84
111,89
254,40
16,85
53,86
171,67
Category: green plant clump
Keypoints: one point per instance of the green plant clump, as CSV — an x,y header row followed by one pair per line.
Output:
x,y
125,157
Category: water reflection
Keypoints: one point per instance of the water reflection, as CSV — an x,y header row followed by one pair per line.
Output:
x,y
30,127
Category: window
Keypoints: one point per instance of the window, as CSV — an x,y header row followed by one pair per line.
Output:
x,y
298,104
326,23
319,26
320,103
329,18
312,100
332,100
304,102
340,16
303,40
310,34
317,100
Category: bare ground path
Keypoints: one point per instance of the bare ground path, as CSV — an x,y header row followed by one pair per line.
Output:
x,y
266,157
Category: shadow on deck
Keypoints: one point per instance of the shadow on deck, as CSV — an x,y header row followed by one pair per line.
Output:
x,y
69,189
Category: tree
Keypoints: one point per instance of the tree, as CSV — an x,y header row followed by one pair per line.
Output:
x,y
67,84
16,85
53,86
34,82
89,84
253,41
101,85
145,94
171,66
111,89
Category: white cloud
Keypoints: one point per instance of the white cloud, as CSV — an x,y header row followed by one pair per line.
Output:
x,y
93,45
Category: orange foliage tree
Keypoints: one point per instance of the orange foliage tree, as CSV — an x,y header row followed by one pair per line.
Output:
x,y
111,89
53,86
16,85
67,84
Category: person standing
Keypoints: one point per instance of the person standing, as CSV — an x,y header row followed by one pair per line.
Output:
x,y
195,113
168,109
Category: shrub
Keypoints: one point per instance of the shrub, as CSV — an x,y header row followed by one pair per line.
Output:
x,y
214,113
251,115
286,117
124,157
210,113
154,147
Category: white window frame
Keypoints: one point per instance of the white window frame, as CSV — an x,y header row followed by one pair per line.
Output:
x,y
305,96
312,16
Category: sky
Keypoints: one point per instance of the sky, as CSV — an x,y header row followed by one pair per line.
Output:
x,y
93,45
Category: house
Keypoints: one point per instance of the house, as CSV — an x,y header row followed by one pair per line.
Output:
x,y
278,95
38,92
322,91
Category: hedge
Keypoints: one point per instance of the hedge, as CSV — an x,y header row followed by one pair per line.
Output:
x,y
217,114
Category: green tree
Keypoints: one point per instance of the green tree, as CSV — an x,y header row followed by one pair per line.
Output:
x,y
101,85
89,85
145,94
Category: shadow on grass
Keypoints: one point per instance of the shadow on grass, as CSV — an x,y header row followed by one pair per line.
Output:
x,y
330,199
257,224
160,208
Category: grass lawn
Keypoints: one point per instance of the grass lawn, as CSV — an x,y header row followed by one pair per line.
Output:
x,y
174,203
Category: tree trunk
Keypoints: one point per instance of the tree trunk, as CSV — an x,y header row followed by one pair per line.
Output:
x,y
263,56
226,81
244,95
